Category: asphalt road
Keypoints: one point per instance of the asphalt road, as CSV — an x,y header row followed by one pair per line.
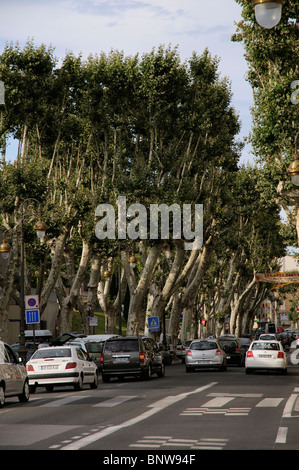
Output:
x,y
178,415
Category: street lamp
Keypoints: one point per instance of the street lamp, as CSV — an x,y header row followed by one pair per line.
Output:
x,y
267,12
4,249
293,170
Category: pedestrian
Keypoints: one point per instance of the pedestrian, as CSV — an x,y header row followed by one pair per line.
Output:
x,y
42,344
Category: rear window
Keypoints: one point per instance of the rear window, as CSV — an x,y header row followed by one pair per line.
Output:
x,y
44,353
94,347
269,346
122,346
228,343
204,345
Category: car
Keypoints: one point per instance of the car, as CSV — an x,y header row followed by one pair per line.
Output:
x,y
185,347
267,336
61,365
266,355
205,354
286,338
64,337
133,356
92,348
30,347
166,353
13,376
234,352
259,332
245,343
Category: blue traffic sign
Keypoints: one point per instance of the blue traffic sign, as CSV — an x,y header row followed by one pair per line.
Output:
x,y
153,324
32,316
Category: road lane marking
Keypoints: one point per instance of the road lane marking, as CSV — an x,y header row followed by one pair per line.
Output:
x,y
114,401
269,402
160,442
216,411
218,402
281,437
64,401
112,429
287,412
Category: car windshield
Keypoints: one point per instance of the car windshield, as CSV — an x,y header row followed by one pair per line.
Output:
x,y
122,346
204,345
45,353
266,345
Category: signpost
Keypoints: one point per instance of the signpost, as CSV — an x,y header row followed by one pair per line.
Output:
x,y
153,324
32,311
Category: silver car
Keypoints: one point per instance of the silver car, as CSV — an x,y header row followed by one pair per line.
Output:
x,y
13,376
205,354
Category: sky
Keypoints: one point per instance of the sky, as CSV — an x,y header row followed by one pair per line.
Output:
x,y
136,26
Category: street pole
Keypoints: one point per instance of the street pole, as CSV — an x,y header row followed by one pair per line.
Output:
x,y
22,349
119,299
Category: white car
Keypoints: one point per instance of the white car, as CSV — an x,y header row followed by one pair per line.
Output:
x,y
205,354
13,376
265,355
61,365
267,337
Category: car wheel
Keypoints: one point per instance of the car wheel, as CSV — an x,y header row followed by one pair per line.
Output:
x,y
188,369
161,371
247,371
79,384
2,396
32,388
95,383
105,378
24,397
222,368
147,373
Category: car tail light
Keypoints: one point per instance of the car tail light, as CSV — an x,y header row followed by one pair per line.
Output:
x,y
218,352
249,354
280,355
237,350
189,352
71,365
102,359
142,357
29,367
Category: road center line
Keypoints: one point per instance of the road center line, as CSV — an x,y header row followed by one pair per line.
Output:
x,y
155,408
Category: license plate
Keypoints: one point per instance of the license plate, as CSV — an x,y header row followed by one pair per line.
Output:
x,y
48,367
203,362
265,355
227,357
121,359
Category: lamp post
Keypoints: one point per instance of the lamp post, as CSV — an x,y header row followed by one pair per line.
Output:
x,y
40,228
267,12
